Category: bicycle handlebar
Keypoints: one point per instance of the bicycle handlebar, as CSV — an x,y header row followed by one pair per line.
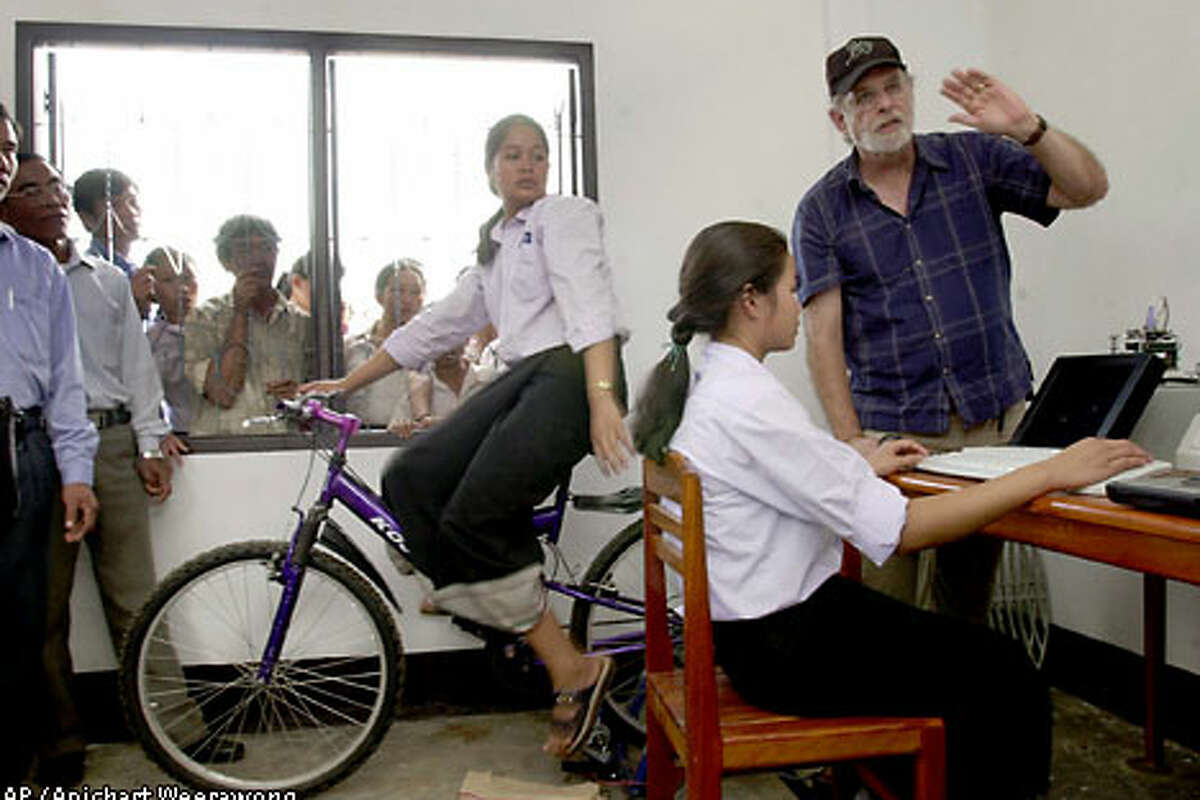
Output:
x,y
305,409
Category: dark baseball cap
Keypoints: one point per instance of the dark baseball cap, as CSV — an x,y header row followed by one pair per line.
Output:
x,y
844,66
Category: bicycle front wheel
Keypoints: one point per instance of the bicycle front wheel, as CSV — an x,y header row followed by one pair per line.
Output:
x,y
190,672
615,623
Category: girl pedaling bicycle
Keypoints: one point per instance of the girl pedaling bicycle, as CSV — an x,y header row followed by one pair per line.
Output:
x,y
464,491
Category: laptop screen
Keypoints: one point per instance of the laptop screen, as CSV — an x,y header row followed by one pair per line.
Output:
x,y
1092,395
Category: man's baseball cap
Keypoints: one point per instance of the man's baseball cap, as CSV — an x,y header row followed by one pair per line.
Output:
x,y
844,66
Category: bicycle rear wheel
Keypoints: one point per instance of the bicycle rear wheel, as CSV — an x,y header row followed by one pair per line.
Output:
x,y
618,573
198,643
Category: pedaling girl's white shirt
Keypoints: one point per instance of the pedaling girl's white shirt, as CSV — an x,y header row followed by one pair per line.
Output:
x,y
780,494
549,284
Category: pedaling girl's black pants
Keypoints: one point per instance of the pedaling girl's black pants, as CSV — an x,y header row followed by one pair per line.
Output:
x,y
464,491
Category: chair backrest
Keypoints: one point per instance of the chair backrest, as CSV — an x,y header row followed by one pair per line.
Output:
x,y
674,537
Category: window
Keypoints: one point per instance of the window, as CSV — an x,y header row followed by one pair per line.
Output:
x,y
360,150
204,134
409,165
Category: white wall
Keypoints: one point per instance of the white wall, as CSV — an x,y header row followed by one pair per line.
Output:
x,y
1121,82
690,101
1108,73
709,110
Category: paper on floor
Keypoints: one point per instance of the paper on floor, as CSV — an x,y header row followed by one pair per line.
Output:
x,y
486,786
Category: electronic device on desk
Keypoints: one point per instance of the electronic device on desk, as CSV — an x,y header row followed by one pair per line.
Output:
x,y
1082,395
1174,490
1155,336
1089,395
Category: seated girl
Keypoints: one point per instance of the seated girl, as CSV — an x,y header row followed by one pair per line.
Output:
x,y
780,497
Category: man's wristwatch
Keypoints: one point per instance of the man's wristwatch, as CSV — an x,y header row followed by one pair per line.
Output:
x,y
1038,132
151,454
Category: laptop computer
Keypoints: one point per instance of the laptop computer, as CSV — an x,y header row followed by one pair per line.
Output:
x,y
1082,395
1089,395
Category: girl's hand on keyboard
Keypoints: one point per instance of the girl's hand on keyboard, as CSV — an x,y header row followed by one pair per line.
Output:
x,y
895,455
1091,460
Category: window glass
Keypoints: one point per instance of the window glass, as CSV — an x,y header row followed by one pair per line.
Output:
x,y
204,135
410,173
214,126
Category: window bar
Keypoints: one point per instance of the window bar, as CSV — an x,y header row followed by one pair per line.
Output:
x,y
573,117
324,317
53,130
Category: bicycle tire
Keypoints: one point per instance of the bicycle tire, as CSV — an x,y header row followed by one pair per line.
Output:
x,y
332,695
618,569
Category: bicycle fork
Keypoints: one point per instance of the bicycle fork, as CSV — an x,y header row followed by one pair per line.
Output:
x,y
290,574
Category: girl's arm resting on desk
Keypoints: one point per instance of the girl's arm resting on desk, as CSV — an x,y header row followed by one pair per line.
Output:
x,y
943,518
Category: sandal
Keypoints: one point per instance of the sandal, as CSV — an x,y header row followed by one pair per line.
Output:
x,y
576,728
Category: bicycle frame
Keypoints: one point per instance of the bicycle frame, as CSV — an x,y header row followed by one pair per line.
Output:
x,y
368,507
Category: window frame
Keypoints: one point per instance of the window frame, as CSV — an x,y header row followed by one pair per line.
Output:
x,y
319,46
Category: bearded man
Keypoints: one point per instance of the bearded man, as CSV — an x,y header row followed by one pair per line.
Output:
x,y
905,276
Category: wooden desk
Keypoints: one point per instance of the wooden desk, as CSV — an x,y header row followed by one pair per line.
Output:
x,y
1157,545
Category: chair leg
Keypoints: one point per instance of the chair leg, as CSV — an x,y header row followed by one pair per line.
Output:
x,y
663,776
930,769
703,778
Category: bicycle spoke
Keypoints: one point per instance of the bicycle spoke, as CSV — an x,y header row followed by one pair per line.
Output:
x,y
327,702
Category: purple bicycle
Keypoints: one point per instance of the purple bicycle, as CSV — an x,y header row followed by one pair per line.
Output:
x,y
290,647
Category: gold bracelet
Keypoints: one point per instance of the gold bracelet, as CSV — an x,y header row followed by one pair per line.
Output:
x,y
604,386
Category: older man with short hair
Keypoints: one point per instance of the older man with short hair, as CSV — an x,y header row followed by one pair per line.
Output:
x,y
905,274
45,439
132,465
249,348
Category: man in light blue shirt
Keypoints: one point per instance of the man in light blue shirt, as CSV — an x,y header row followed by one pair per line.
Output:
x,y
124,397
47,436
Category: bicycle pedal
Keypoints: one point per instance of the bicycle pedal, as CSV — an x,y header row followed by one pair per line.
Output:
x,y
596,758
598,746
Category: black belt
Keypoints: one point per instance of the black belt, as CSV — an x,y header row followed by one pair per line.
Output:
x,y
107,417
14,424
28,419
23,420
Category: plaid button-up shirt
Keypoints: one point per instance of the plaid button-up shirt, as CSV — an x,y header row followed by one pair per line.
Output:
x,y
926,309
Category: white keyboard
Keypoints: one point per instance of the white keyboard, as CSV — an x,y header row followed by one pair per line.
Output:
x,y
992,462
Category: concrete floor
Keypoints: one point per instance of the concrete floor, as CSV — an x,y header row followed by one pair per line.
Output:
x,y
428,753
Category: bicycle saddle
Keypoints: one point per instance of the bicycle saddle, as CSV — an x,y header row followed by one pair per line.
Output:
x,y
624,501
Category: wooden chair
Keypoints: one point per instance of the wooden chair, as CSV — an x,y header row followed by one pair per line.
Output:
x,y
694,712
